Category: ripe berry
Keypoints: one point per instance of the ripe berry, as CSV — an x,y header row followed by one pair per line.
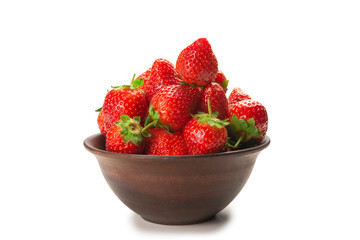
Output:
x,y
217,98
161,142
205,133
197,63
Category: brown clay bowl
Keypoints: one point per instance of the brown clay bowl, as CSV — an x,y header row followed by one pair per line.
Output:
x,y
175,190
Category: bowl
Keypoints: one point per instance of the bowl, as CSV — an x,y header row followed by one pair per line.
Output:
x,y
175,190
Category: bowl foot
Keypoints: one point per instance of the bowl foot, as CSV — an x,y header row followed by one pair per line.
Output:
x,y
186,222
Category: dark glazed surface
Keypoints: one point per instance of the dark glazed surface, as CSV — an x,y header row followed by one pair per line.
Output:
x,y
175,189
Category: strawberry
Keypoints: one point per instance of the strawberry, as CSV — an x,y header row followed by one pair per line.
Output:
x,y
100,121
124,100
221,80
205,133
172,106
144,76
126,136
161,142
162,74
197,63
249,122
237,95
218,101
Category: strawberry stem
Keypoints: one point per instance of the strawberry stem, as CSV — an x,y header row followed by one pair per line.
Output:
x,y
148,126
132,80
238,141
209,107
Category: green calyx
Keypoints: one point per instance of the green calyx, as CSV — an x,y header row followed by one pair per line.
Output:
x,y
131,130
225,85
98,110
242,133
211,118
152,120
135,84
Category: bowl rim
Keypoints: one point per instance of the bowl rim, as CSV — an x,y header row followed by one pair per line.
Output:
x,y
96,151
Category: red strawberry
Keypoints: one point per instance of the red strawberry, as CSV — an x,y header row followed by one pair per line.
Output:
x,y
161,142
221,79
218,100
126,136
237,95
249,121
100,122
162,74
197,63
172,106
144,76
205,134
124,100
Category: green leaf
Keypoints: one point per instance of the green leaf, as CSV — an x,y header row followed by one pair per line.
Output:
x,y
138,82
138,119
244,124
122,124
201,120
165,127
155,115
98,110
211,122
224,122
238,123
244,133
136,139
146,134
234,118
148,119
125,118
225,84
215,114
252,130
251,121
127,137
211,119
123,131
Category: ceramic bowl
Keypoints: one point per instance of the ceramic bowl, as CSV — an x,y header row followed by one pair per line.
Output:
x,y
175,190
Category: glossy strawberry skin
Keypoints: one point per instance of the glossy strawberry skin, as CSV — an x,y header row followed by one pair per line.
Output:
x,y
124,101
201,138
162,142
221,80
176,104
100,122
115,143
237,95
162,74
197,63
145,76
218,100
250,108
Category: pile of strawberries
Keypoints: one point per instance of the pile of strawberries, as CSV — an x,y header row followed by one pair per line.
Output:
x,y
181,110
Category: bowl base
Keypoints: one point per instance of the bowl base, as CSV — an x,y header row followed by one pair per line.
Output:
x,y
190,222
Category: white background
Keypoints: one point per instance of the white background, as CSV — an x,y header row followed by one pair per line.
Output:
x,y
300,59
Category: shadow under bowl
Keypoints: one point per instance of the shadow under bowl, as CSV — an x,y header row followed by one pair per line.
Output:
x,y
175,190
